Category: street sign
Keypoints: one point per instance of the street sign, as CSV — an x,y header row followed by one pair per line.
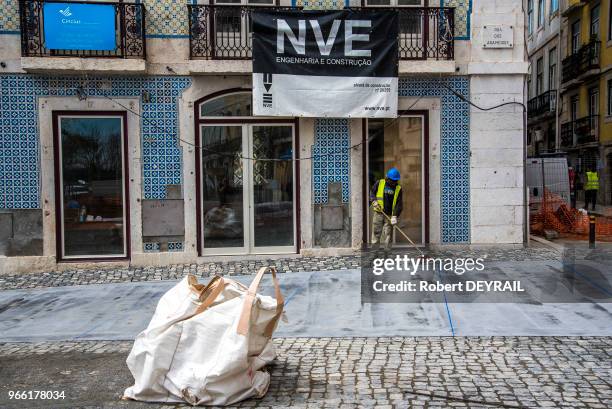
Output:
x,y
497,36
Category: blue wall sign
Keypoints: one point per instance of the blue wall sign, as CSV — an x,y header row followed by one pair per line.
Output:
x,y
75,26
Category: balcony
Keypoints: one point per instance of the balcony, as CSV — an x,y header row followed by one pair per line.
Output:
x,y
582,131
224,33
579,65
128,55
542,104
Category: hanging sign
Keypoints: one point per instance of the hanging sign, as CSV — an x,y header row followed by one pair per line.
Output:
x,y
325,63
78,26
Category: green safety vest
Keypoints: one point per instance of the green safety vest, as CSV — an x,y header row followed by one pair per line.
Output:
x,y
592,181
380,193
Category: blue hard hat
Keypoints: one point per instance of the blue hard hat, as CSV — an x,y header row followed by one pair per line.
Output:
x,y
393,174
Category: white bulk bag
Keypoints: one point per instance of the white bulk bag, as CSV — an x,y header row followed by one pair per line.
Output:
x,y
207,345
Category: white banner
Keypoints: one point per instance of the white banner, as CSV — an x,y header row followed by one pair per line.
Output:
x,y
301,95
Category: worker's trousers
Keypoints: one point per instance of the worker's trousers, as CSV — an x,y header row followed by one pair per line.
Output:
x,y
590,196
381,230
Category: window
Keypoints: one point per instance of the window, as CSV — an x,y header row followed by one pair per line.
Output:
x,y
530,16
540,13
93,180
529,92
552,69
574,108
554,6
593,101
575,36
595,22
610,97
540,76
610,23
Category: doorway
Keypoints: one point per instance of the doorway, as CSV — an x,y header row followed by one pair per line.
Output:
x,y
246,175
91,193
401,143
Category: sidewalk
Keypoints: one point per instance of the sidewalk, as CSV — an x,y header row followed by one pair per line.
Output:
x,y
283,264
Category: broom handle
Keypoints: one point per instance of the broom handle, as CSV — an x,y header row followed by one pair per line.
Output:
x,y
395,226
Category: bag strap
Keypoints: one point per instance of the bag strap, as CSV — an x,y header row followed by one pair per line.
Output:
x,y
210,293
251,295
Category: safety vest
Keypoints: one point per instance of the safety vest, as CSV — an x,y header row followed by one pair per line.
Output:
x,y
592,181
380,194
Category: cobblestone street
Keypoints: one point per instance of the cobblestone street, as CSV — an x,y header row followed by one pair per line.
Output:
x,y
423,372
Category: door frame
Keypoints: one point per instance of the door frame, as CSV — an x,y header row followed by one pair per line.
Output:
x,y
250,120
58,182
364,173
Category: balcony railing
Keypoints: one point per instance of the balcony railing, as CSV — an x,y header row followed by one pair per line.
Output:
x,y
585,59
129,32
225,32
543,103
582,131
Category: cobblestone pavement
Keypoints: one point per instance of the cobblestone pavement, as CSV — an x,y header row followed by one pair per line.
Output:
x,y
423,372
283,264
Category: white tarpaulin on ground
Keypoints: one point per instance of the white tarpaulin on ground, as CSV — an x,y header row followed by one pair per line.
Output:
x,y
338,64
206,345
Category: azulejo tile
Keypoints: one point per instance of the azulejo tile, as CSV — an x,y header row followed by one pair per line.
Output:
x,y
19,138
331,158
9,16
454,145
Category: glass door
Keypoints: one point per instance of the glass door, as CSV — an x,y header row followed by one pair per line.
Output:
x,y
273,218
90,188
223,196
248,189
399,143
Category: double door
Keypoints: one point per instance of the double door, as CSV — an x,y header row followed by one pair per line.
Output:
x,y
247,181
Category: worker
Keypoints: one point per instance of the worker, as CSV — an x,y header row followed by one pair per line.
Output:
x,y
386,196
591,187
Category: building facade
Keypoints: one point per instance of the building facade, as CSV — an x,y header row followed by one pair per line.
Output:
x,y
543,47
586,90
147,153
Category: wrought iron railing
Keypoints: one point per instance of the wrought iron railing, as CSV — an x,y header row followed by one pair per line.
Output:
x,y
225,32
543,103
581,131
129,32
585,59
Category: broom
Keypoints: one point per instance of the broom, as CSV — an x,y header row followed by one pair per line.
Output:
x,y
395,226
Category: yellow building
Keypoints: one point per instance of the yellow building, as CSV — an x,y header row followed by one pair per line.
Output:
x,y
586,89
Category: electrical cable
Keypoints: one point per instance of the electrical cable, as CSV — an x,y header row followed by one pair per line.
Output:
x,y
80,92
82,95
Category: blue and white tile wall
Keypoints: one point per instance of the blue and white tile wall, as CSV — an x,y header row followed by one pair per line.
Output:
x,y
19,138
331,157
455,150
